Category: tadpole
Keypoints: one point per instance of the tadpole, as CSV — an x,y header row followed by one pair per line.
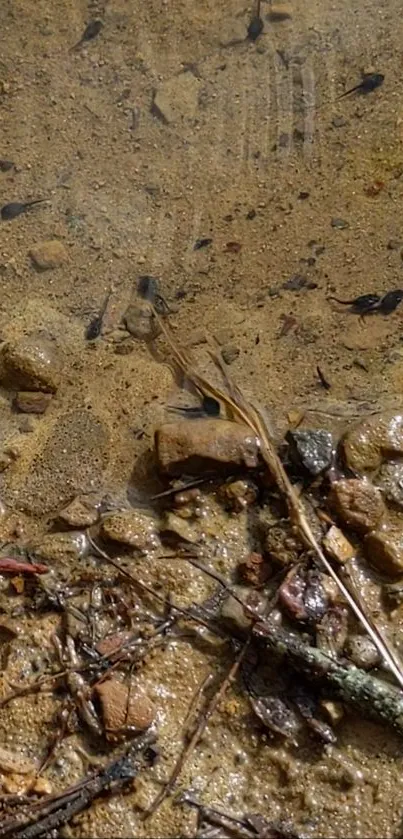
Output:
x,y
10,211
91,31
255,27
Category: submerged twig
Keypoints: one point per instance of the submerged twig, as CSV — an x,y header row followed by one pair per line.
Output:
x,y
240,410
205,716
57,810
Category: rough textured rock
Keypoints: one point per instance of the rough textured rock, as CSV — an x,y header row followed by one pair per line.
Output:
x,y
233,611
49,254
372,440
384,551
31,363
337,545
390,480
196,446
32,402
362,652
129,527
255,571
81,512
311,449
124,708
56,547
70,462
358,504
177,98
282,546
140,321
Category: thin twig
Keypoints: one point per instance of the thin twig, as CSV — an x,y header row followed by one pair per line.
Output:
x,y
189,749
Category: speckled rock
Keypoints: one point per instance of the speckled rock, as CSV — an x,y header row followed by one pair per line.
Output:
x,y
337,545
384,551
372,440
32,402
311,449
31,363
81,512
362,652
358,504
124,708
56,547
129,527
177,98
390,480
196,446
140,321
48,254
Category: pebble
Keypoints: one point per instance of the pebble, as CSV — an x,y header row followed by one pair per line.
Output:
x,y
279,12
362,652
390,480
30,363
196,446
254,571
129,527
384,551
339,223
230,353
124,707
180,527
337,545
233,611
374,439
177,98
313,450
238,495
56,547
282,546
140,321
358,503
49,254
233,31
80,513
32,402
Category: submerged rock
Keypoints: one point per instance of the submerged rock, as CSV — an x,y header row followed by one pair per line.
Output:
x,y
311,449
179,528
32,402
48,254
81,512
140,321
390,481
55,547
371,441
129,527
362,652
124,707
337,545
197,446
358,504
30,364
384,551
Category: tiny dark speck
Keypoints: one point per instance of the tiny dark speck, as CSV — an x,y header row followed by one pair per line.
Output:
x,y
303,195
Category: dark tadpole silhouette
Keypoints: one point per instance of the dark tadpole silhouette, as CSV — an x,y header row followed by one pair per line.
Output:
x,y
91,31
95,326
10,211
369,83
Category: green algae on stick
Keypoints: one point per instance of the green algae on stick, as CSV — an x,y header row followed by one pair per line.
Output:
x,y
372,696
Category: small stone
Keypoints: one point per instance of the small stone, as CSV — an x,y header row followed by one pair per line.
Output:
x,y
333,710
110,645
128,527
313,450
49,254
200,445
238,495
384,551
279,12
339,122
374,439
177,98
255,571
362,652
282,546
81,512
234,612
233,32
57,547
230,353
337,545
390,481
339,224
393,245
179,527
42,786
124,708
358,503
140,321
32,402
30,364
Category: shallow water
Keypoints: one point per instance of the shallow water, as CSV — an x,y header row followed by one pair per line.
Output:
x,y
249,147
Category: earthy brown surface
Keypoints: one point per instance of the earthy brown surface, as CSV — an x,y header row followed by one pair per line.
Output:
x,y
227,152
